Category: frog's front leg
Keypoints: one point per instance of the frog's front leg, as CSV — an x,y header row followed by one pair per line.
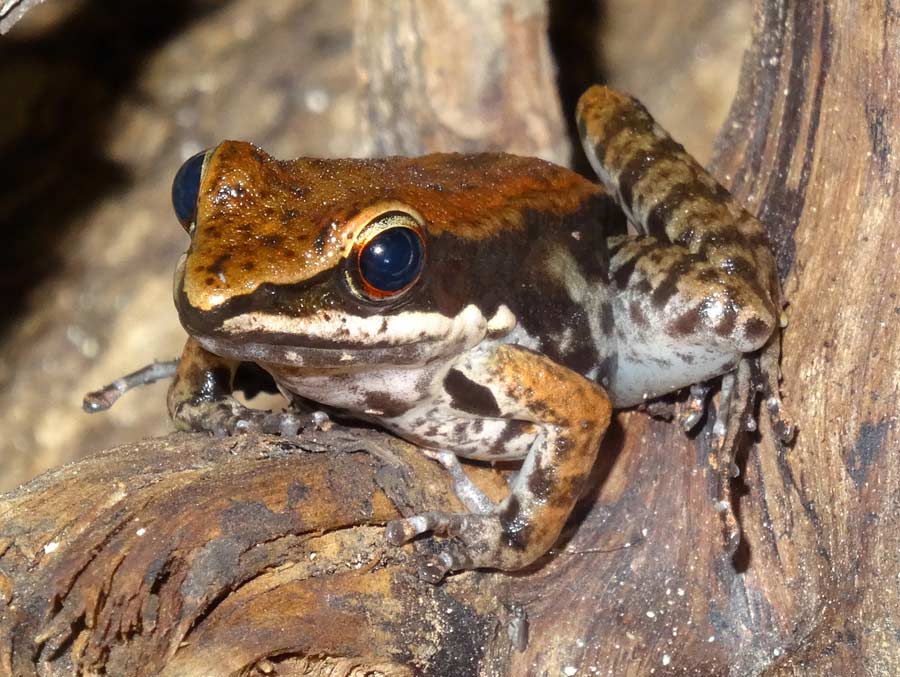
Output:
x,y
200,398
571,413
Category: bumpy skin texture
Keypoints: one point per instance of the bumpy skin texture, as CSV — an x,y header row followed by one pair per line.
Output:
x,y
534,314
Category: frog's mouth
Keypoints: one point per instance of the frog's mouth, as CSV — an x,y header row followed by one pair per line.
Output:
x,y
337,339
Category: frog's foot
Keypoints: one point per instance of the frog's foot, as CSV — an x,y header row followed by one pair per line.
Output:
x,y
768,384
472,497
691,412
227,416
472,542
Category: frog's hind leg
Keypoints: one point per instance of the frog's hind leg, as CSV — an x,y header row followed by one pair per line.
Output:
x,y
698,289
667,195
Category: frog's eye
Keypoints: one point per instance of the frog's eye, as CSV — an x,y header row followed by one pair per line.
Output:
x,y
391,259
186,189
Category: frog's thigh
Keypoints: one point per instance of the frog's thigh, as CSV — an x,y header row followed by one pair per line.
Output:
x,y
679,319
201,377
572,414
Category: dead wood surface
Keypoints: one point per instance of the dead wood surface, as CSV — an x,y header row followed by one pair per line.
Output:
x,y
223,577
191,556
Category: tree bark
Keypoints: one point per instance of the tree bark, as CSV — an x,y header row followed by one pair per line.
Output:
x,y
193,556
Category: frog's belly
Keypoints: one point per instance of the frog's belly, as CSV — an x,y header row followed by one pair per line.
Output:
x,y
411,403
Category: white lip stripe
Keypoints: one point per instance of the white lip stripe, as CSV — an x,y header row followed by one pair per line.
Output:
x,y
402,328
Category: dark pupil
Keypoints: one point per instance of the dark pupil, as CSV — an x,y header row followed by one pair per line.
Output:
x,y
186,188
392,259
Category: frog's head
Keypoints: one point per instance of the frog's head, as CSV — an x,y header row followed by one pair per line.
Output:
x,y
337,262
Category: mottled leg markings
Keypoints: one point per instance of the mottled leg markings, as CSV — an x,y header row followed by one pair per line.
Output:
x,y
720,427
698,289
572,414
200,398
665,192
472,497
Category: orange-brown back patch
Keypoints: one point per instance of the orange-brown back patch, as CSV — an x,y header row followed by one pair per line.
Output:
x,y
262,220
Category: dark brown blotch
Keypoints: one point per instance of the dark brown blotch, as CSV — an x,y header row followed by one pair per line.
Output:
x,y
686,323
217,267
659,217
666,289
637,314
468,396
512,522
541,481
607,319
757,330
564,446
388,404
725,326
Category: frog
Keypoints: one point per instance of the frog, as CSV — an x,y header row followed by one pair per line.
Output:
x,y
481,306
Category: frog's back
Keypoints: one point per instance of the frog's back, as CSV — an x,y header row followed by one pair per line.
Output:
x,y
470,195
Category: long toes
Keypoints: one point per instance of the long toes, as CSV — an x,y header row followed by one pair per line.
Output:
x,y
452,557
404,530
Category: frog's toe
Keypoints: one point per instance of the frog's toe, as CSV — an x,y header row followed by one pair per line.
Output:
x,y
470,542
404,530
452,557
228,417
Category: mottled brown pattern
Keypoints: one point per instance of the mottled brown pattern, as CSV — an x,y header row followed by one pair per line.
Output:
x,y
575,414
667,193
701,243
261,220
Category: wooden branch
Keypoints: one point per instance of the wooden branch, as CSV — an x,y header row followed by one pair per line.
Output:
x,y
188,555
192,556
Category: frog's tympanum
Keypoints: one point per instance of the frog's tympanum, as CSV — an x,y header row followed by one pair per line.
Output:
x,y
485,306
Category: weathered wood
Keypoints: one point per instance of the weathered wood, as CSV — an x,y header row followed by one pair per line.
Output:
x,y
223,576
190,556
